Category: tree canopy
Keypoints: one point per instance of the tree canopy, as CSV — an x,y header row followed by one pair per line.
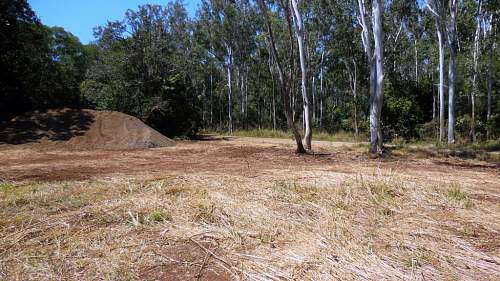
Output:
x,y
217,70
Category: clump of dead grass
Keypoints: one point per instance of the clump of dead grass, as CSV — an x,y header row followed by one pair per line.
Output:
x,y
371,226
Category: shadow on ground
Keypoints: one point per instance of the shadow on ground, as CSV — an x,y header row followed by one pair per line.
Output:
x,y
57,125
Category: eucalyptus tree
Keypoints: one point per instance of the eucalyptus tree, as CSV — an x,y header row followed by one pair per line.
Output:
x,y
376,62
475,58
437,9
452,68
300,32
283,79
491,30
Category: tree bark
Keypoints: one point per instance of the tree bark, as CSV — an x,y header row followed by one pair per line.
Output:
x,y
229,85
489,89
321,93
452,69
437,9
211,100
371,57
378,98
284,89
303,68
441,82
475,58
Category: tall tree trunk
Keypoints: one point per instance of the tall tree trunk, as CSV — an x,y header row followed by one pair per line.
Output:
x,y
230,90
489,89
437,9
416,62
355,95
284,89
441,81
371,57
321,93
211,100
307,106
246,96
475,57
314,102
452,70
273,94
378,98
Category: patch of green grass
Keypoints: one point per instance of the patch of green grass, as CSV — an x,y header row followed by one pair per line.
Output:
x,y
143,218
6,186
158,216
16,195
418,258
480,151
454,193
268,236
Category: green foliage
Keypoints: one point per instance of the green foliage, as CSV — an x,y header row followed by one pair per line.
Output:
x,y
405,107
142,74
172,71
42,67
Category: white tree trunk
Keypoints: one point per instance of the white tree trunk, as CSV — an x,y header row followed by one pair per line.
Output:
x,y
365,38
489,89
355,96
284,84
230,92
441,82
321,93
452,69
378,98
211,100
416,62
475,57
314,102
437,9
307,107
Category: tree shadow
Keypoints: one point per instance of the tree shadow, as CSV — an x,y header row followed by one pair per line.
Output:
x,y
54,125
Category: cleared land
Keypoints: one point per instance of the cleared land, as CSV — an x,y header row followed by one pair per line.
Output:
x,y
246,208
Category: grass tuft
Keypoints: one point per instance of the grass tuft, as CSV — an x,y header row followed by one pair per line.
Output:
x,y
455,194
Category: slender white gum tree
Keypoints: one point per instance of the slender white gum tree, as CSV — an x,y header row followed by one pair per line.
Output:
x,y
452,69
475,58
489,81
375,99
436,8
321,93
299,32
283,83
378,100
229,86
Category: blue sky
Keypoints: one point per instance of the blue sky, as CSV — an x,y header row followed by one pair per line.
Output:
x,y
81,16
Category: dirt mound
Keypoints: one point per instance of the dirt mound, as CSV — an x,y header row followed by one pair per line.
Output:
x,y
81,129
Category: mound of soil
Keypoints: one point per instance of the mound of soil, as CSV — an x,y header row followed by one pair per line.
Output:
x,y
81,129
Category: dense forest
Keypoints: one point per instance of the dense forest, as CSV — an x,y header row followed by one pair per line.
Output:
x,y
412,70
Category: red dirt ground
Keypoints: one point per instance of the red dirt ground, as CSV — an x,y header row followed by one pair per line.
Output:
x,y
250,157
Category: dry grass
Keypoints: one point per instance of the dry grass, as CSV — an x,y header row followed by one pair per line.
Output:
x,y
319,135
373,226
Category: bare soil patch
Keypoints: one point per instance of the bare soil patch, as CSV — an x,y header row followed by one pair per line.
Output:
x,y
246,209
